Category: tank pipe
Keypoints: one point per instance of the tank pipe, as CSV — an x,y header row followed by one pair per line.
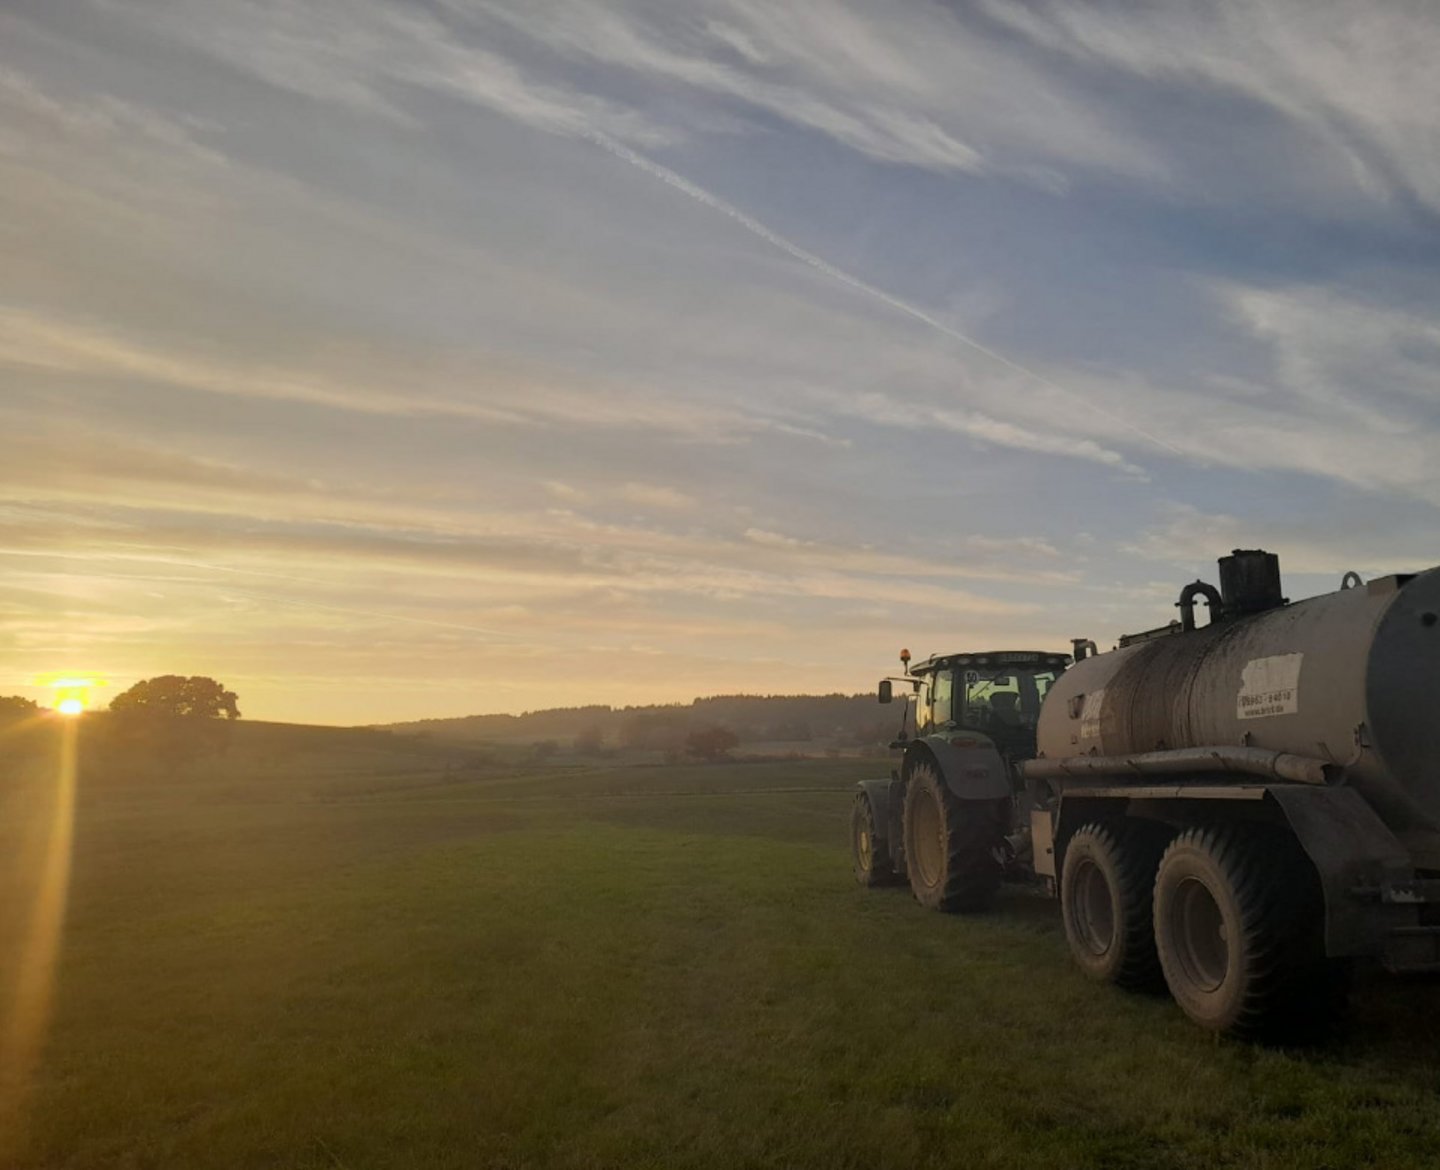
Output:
x,y
1250,761
1186,604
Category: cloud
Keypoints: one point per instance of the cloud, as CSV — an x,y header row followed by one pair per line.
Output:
x,y
564,492
1377,363
365,55
1358,78
406,384
770,539
660,496
888,411
96,465
913,86
1049,92
1307,546
1014,546
916,87
102,118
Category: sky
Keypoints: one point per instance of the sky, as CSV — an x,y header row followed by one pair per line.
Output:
x,y
398,358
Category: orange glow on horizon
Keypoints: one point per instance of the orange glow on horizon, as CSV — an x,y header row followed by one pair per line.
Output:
x,y
71,706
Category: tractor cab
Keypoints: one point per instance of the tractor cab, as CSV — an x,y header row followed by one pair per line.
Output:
x,y
995,694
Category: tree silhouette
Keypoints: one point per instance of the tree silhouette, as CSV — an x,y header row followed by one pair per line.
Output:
x,y
196,697
172,720
710,743
589,740
14,707
21,736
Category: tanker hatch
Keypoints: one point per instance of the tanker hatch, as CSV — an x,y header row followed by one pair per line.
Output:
x,y
1250,582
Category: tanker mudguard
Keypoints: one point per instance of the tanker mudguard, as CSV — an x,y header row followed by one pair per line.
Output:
x,y
1359,860
972,770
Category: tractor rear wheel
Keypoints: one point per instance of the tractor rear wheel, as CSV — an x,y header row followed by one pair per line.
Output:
x,y
952,846
870,855
1106,892
1238,928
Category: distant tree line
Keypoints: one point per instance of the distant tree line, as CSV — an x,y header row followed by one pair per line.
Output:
x,y
677,731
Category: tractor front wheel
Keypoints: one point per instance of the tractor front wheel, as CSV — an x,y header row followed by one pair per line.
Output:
x,y
869,853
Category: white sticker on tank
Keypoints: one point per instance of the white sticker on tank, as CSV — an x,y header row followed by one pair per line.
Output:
x,y
1090,714
1270,686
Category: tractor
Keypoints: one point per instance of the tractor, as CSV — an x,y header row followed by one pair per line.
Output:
x,y
944,817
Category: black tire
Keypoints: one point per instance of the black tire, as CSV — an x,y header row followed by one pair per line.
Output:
x,y
869,853
1106,891
1239,932
952,846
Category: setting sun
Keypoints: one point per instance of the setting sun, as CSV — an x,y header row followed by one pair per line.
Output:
x,y
73,692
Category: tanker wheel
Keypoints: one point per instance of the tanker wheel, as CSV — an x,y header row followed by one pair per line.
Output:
x,y
870,856
952,846
1106,890
1239,930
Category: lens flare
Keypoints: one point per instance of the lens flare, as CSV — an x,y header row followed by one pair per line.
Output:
x,y
73,692
25,1018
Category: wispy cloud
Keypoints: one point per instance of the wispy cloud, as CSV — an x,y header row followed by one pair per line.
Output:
x,y
888,411
365,55
912,86
1358,78
475,388
1192,537
654,495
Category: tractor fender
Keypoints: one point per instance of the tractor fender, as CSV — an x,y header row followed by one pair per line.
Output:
x,y
970,765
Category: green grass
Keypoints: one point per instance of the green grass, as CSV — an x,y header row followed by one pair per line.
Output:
x,y
622,967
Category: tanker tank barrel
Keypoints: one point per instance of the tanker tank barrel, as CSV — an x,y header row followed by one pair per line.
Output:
x,y
1344,682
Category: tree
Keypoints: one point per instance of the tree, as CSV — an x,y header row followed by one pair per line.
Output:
x,y
196,697
21,735
710,743
14,707
590,741
172,720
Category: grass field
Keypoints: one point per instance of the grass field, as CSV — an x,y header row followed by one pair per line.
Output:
x,y
365,966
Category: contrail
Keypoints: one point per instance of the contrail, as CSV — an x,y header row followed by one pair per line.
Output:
x,y
756,228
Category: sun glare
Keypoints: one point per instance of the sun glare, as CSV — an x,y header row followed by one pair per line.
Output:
x,y
72,692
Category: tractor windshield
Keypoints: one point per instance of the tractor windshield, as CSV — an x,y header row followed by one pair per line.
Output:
x,y
1000,699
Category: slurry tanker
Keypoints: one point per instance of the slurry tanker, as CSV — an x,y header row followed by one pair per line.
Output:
x,y
1237,809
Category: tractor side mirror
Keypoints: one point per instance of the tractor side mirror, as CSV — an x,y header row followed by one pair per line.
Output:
x,y
886,691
